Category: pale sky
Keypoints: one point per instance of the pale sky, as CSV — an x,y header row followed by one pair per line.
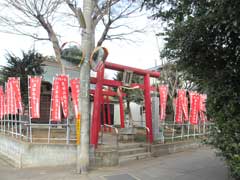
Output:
x,y
143,54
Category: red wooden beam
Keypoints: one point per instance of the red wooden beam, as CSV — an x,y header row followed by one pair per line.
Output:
x,y
95,127
107,93
148,108
142,72
121,107
113,83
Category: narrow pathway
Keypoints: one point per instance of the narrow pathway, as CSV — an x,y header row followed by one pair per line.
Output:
x,y
200,164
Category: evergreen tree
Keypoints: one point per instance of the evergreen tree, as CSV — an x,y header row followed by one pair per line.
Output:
x,y
203,36
31,63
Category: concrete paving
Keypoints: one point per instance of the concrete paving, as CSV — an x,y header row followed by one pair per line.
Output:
x,y
200,164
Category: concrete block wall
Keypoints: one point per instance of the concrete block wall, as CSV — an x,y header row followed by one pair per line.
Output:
x,y
23,154
12,149
163,149
37,155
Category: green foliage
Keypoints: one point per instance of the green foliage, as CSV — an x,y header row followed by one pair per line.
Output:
x,y
132,95
29,64
72,54
203,36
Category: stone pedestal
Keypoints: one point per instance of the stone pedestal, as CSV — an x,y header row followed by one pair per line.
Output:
x,y
157,135
127,134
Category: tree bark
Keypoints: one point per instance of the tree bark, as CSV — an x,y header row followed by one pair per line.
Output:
x,y
53,38
84,100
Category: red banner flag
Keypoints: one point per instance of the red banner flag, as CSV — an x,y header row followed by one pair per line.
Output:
x,y
2,102
17,94
34,96
194,109
163,92
63,82
75,88
6,100
11,100
55,104
179,109
185,108
191,93
203,98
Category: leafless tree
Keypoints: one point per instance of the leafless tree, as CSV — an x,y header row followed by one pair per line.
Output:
x,y
95,11
28,16
110,15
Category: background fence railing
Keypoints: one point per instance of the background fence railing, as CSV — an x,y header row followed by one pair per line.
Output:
x,y
66,132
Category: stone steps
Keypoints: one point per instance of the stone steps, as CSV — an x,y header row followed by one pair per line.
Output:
x,y
137,156
7,162
130,145
132,151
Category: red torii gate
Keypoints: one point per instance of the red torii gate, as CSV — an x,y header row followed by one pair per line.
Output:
x,y
100,81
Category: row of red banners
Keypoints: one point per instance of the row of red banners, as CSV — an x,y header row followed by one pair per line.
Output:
x,y
11,102
60,97
197,105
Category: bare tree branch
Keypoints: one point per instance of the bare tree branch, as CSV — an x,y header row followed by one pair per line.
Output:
x,y
27,16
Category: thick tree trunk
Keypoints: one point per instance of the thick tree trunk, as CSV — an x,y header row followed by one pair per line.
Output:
x,y
84,101
54,40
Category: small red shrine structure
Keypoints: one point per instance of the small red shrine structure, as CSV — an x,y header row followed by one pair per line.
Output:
x,y
99,93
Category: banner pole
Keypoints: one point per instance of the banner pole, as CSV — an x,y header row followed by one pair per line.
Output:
x,y
68,130
49,124
12,102
15,125
194,131
4,116
2,113
204,126
182,129
29,112
199,127
7,106
20,126
174,120
18,111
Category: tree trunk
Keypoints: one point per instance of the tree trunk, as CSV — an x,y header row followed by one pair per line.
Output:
x,y
54,40
84,100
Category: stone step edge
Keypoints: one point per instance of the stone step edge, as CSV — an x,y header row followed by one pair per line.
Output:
x,y
134,156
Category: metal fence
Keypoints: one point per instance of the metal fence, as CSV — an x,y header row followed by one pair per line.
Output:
x,y
65,132
175,132
37,132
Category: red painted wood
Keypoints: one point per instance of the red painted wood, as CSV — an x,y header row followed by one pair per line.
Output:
x,y
148,109
121,107
113,83
96,108
107,93
143,72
